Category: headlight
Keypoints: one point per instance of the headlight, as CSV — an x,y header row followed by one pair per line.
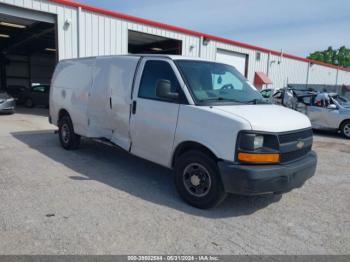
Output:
x,y
257,148
10,99
2,101
258,142
251,142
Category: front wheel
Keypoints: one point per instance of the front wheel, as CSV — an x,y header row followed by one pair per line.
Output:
x,y
197,180
69,140
345,129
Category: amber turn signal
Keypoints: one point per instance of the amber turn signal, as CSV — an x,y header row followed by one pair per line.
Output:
x,y
258,158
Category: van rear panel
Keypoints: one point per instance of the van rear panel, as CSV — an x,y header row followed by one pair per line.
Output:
x,y
70,89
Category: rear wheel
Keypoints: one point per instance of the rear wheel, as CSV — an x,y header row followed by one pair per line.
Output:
x,y
197,180
345,129
69,140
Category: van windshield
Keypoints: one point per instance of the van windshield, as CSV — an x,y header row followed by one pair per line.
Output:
x,y
215,83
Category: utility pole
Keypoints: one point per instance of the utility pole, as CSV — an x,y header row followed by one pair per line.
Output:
x,y
337,78
307,74
268,64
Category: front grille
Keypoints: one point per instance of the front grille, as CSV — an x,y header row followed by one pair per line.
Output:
x,y
294,155
289,145
290,137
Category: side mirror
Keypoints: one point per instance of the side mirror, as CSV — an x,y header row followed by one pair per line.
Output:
x,y
163,90
332,107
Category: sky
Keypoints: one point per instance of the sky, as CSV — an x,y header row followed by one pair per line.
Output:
x,y
298,27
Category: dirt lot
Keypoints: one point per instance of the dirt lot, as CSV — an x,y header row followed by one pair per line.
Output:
x,y
99,200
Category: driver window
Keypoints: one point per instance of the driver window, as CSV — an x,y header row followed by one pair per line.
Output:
x,y
228,80
152,73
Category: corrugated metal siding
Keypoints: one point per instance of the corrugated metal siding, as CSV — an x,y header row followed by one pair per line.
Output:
x,y
285,71
100,35
208,51
91,34
343,78
322,75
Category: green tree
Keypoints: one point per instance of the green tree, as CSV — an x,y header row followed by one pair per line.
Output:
x,y
339,57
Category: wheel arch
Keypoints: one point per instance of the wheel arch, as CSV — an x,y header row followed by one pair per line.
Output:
x,y
343,122
61,113
187,146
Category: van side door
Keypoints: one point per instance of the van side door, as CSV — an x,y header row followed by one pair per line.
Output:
x,y
120,84
98,104
153,119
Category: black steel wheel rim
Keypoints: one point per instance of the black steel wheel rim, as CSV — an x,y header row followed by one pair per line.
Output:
x,y
196,179
346,130
65,133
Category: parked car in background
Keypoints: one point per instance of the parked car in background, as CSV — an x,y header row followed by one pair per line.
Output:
x,y
37,96
17,92
326,111
330,115
7,103
273,96
200,118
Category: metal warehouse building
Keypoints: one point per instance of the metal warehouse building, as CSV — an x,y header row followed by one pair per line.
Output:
x,y
35,34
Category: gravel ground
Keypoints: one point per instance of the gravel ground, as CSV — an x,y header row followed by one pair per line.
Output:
x,y
99,200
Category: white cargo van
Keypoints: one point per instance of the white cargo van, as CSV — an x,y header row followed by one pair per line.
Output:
x,y
200,118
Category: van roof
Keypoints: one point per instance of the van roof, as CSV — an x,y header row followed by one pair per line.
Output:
x,y
175,57
172,57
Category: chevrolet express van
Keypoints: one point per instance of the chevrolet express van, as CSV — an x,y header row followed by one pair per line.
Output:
x,y
200,118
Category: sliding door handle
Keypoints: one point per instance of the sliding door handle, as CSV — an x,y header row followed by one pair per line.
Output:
x,y
134,105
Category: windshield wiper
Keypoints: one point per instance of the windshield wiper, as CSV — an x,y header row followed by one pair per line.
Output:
x,y
219,99
257,101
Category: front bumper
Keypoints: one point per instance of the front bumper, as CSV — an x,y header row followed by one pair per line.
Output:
x,y
263,179
7,106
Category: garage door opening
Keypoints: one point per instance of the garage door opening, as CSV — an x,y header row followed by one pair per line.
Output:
x,y
141,43
28,55
238,60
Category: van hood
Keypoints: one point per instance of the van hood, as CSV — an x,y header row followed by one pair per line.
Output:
x,y
268,118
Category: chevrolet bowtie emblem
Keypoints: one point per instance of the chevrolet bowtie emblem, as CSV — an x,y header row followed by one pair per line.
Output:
x,y
300,144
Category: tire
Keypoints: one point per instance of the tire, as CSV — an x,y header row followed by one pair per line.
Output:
x,y
69,140
29,103
198,181
345,129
